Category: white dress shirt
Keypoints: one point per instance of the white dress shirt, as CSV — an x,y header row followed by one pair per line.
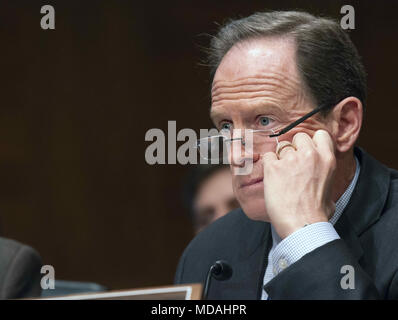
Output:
x,y
291,249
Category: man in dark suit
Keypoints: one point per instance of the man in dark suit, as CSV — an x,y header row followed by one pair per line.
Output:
x,y
318,215
20,267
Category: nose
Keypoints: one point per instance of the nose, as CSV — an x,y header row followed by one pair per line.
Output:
x,y
242,150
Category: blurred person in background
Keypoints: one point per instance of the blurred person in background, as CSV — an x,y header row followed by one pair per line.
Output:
x,y
209,194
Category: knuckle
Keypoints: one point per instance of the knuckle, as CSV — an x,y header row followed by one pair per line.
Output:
x,y
267,155
290,157
267,158
330,161
321,133
309,153
299,135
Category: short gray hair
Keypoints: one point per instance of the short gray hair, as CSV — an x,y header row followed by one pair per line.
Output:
x,y
327,60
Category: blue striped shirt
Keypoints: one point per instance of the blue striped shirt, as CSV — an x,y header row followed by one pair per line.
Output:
x,y
291,249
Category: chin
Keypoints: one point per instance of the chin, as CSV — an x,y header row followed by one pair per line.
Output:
x,y
254,208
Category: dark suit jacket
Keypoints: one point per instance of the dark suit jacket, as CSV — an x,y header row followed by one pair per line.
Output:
x,y
368,229
19,270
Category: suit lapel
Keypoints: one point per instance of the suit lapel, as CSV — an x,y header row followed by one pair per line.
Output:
x,y
345,230
366,203
249,267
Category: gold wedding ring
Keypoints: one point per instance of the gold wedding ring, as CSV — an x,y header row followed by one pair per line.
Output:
x,y
278,151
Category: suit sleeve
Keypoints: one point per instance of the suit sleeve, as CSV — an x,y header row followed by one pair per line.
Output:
x,y
393,289
22,279
180,270
317,275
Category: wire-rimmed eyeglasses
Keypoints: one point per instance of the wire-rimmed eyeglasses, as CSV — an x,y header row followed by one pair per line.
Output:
x,y
216,148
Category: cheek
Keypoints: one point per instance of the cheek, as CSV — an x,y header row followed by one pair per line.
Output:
x,y
310,126
235,185
242,198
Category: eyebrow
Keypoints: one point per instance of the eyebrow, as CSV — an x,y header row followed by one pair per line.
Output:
x,y
214,113
259,108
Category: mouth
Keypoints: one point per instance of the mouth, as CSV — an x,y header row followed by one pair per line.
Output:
x,y
251,182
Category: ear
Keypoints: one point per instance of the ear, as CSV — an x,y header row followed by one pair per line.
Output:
x,y
347,122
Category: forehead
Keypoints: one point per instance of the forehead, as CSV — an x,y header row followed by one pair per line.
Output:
x,y
257,57
257,71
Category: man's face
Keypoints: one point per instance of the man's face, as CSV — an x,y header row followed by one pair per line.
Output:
x,y
257,86
214,199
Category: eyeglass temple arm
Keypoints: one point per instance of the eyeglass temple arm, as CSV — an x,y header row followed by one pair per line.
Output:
x,y
295,123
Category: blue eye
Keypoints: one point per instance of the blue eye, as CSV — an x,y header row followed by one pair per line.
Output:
x,y
225,126
265,121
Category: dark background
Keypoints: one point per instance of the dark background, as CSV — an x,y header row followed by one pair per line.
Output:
x,y
76,102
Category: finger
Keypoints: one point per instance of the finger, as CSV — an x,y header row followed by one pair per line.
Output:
x,y
268,157
303,141
323,142
284,150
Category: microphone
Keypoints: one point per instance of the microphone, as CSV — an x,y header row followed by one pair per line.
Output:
x,y
220,271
